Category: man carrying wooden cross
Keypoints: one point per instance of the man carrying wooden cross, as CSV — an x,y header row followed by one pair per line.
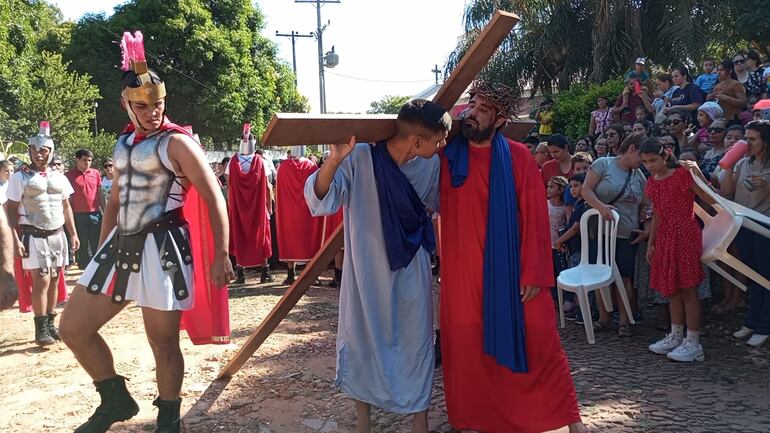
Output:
x,y
385,335
504,367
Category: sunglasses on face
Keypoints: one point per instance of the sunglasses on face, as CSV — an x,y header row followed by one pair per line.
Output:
x,y
739,61
57,164
673,122
717,130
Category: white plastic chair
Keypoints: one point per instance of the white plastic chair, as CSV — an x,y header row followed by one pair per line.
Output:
x,y
587,277
720,230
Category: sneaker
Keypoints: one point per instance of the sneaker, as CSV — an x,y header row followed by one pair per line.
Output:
x,y
687,352
743,333
757,340
666,345
638,319
578,318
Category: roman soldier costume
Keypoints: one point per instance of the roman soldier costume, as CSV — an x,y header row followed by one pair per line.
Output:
x,y
148,257
40,194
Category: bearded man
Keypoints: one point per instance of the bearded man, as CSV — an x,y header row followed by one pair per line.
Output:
x,y
504,367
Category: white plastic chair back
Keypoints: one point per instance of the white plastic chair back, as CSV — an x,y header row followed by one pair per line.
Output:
x,y
606,236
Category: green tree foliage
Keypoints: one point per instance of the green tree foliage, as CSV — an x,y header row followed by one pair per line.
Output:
x,y
560,42
64,98
388,105
572,110
35,83
219,70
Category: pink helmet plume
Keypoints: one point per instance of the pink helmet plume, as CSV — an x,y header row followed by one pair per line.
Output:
x,y
45,128
132,47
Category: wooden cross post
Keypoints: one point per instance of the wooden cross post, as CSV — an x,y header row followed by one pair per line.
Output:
x,y
295,129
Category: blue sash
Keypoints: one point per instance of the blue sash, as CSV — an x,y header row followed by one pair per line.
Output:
x,y
503,311
406,225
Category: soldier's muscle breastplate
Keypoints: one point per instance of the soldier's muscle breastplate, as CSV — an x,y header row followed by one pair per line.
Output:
x,y
42,200
144,182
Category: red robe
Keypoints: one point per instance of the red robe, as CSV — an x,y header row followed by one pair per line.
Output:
x,y
299,233
248,197
480,394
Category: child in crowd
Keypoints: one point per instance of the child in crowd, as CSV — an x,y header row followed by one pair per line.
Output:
x,y
708,79
557,212
569,241
674,248
580,163
642,114
708,112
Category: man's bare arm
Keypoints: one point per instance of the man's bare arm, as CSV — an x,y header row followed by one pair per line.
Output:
x,y
110,216
189,161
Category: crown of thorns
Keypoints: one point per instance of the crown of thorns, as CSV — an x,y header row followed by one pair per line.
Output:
x,y
499,95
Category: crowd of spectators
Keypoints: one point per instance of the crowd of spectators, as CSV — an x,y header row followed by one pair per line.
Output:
x,y
692,122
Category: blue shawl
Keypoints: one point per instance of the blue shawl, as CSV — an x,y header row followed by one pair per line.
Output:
x,y
406,225
503,311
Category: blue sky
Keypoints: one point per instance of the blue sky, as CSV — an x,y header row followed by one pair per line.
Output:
x,y
386,47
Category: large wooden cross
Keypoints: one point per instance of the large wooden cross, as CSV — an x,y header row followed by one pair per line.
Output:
x,y
294,129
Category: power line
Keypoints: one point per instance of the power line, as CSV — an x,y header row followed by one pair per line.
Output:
x,y
155,57
378,81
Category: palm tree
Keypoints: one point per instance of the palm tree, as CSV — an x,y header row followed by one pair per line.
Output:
x,y
558,42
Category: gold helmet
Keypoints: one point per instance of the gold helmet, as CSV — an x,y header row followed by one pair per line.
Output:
x,y
149,90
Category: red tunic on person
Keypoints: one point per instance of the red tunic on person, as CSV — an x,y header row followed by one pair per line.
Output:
x,y
676,263
247,199
299,233
86,187
551,169
480,394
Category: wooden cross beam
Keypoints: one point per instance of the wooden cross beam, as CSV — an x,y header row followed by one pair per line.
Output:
x,y
297,129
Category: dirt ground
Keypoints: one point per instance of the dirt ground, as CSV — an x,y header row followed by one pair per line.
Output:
x,y
288,386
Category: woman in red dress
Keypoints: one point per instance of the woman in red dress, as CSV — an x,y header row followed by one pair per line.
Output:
x,y
674,248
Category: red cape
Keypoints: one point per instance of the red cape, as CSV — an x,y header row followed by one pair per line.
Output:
x,y
24,281
480,394
299,233
247,199
208,322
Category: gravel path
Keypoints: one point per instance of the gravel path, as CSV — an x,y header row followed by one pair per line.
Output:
x,y
287,387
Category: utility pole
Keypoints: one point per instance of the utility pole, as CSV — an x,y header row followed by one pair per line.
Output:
x,y
293,35
96,126
319,37
436,71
